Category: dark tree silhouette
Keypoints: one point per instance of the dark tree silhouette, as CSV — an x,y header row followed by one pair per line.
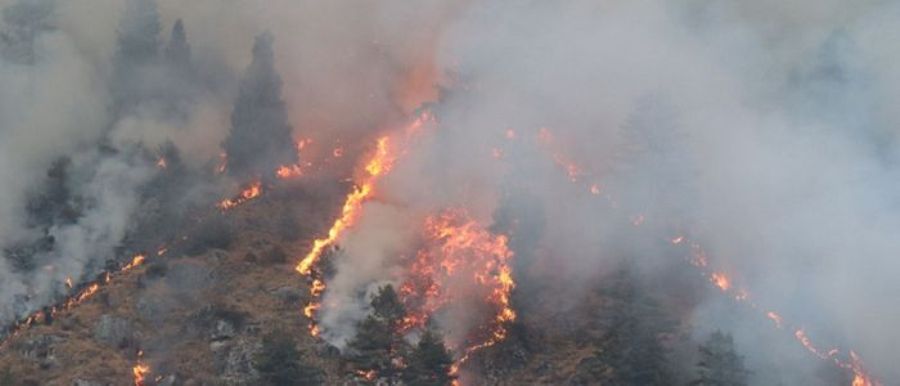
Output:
x,y
719,364
429,363
655,173
178,52
260,137
378,345
279,363
137,51
630,352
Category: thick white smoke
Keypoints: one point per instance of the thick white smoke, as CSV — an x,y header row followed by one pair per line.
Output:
x,y
785,108
782,113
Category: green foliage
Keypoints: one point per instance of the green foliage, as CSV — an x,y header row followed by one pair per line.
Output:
x,y
719,363
630,352
429,363
279,363
387,306
378,345
370,349
178,52
260,137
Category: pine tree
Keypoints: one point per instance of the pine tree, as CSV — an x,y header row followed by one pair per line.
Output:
x,y
429,363
719,364
378,345
387,306
260,137
279,363
138,39
630,352
654,171
178,51
370,349
137,49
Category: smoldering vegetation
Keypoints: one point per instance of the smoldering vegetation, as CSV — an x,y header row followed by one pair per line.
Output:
x,y
590,134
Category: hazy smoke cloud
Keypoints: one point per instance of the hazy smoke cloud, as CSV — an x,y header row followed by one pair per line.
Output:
x,y
783,159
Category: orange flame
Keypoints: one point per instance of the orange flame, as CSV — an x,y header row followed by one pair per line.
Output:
x,y
251,192
161,163
721,281
140,370
288,171
699,259
459,247
81,295
378,165
370,375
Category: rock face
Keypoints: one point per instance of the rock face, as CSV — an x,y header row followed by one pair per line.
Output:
x,y
223,330
233,360
41,349
113,331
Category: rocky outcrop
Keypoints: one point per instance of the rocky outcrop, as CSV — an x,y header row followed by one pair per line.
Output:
x,y
113,331
41,349
233,361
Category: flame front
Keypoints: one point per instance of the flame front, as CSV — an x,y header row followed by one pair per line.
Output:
x,y
460,253
378,165
82,293
700,260
249,193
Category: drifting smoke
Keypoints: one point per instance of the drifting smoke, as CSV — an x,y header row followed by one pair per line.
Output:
x,y
115,112
585,132
757,129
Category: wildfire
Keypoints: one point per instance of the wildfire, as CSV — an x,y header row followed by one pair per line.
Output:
x,y
285,172
460,250
140,370
378,165
135,261
251,192
860,377
699,259
779,322
82,293
289,171
721,281
161,163
370,375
